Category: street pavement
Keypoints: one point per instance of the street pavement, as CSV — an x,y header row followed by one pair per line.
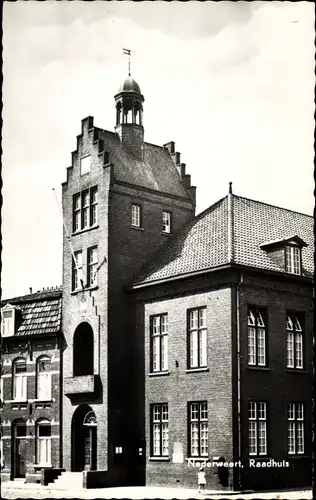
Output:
x,y
37,491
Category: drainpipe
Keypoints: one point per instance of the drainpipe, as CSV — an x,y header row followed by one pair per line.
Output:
x,y
238,371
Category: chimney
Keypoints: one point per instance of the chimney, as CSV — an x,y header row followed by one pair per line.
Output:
x,y
31,289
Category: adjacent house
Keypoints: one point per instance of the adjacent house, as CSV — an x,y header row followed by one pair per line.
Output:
x,y
31,385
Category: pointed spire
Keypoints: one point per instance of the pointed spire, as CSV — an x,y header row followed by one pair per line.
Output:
x,y
230,188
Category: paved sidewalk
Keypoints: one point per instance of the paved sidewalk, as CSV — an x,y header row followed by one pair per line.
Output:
x,y
37,491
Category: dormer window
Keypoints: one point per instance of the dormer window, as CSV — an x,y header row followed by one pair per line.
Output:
x,y
8,314
286,253
293,259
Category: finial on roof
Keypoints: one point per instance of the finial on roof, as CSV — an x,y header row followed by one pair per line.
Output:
x,y
230,188
127,52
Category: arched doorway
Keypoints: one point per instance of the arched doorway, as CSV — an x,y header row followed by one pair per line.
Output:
x,y
84,439
83,350
19,448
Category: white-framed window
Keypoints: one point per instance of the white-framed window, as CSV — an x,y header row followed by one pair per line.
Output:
x,y
19,379
77,271
44,378
93,206
160,430
293,259
85,209
1,453
256,338
257,422
8,317
198,429
166,222
295,418
159,343
197,338
294,341
92,264
43,442
85,165
136,215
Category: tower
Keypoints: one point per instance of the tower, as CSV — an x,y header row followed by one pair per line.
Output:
x,y
129,117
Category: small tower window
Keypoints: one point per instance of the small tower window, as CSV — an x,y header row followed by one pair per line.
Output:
x,y
136,215
293,259
85,165
166,222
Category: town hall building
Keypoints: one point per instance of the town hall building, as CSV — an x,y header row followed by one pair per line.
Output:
x,y
185,339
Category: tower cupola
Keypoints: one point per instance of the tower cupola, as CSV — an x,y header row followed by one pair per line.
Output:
x,y
129,117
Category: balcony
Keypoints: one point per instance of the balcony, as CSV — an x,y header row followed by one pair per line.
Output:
x,y
82,386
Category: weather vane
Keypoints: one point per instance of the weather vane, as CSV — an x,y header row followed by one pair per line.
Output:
x,y
127,52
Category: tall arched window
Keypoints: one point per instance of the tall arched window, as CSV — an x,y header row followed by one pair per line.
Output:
x,y
83,350
43,442
43,378
19,379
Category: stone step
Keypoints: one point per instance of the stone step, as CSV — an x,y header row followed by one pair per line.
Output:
x,y
68,480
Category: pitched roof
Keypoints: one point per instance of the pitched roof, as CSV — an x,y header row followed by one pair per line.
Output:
x,y
203,243
157,171
40,313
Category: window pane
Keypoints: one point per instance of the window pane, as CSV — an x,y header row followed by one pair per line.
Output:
x,y
164,352
194,440
252,437
20,430
251,346
165,439
300,437
156,354
261,347
262,438
298,350
44,430
194,349
291,437
204,438
203,348
290,349
20,367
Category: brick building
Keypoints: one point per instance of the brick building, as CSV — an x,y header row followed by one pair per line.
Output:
x,y
30,385
225,313
123,199
187,339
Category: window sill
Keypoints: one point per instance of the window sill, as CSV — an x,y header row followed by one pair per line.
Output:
x,y
16,401
159,459
259,368
138,228
157,374
199,459
42,400
296,370
43,466
85,289
298,456
95,226
197,370
164,233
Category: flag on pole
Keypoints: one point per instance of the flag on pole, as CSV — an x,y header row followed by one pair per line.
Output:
x,y
127,52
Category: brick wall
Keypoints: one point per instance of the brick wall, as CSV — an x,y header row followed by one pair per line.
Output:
x,y
276,384
31,410
180,387
89,306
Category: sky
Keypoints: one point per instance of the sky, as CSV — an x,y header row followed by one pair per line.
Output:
x,y
232,83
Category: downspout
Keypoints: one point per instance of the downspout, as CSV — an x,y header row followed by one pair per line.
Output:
x,y
231,256
241,280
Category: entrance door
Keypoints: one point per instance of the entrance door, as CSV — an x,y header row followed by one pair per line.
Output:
x,y
90,448
19,450
84,439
